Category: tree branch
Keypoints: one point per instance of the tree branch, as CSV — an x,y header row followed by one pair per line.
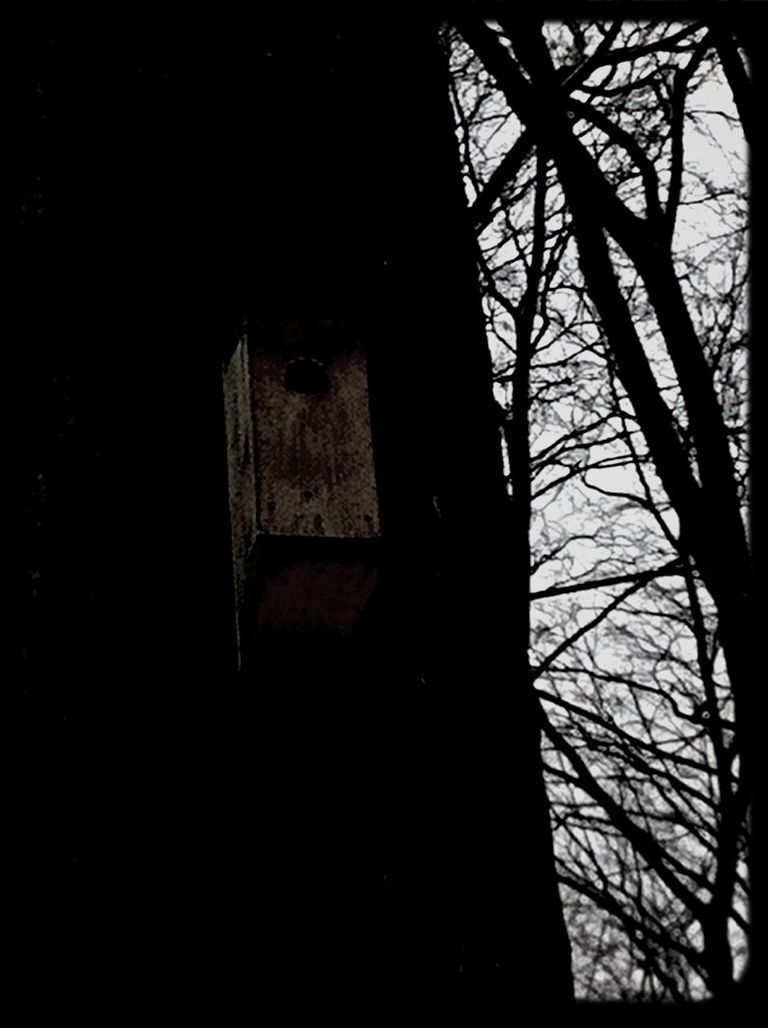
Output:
x,y
672,568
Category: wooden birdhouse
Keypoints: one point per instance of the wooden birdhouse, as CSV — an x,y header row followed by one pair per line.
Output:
x,y
302,487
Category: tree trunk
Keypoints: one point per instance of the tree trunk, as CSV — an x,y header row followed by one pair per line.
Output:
x,y
352,820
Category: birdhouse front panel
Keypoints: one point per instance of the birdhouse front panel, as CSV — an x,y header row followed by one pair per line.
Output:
x,y
313,441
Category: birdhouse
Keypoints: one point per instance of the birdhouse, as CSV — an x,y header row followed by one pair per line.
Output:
x,y
302,487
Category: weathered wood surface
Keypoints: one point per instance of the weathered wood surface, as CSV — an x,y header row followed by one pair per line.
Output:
x,y
302,481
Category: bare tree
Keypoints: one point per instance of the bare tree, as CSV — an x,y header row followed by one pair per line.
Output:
x,y
615,272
